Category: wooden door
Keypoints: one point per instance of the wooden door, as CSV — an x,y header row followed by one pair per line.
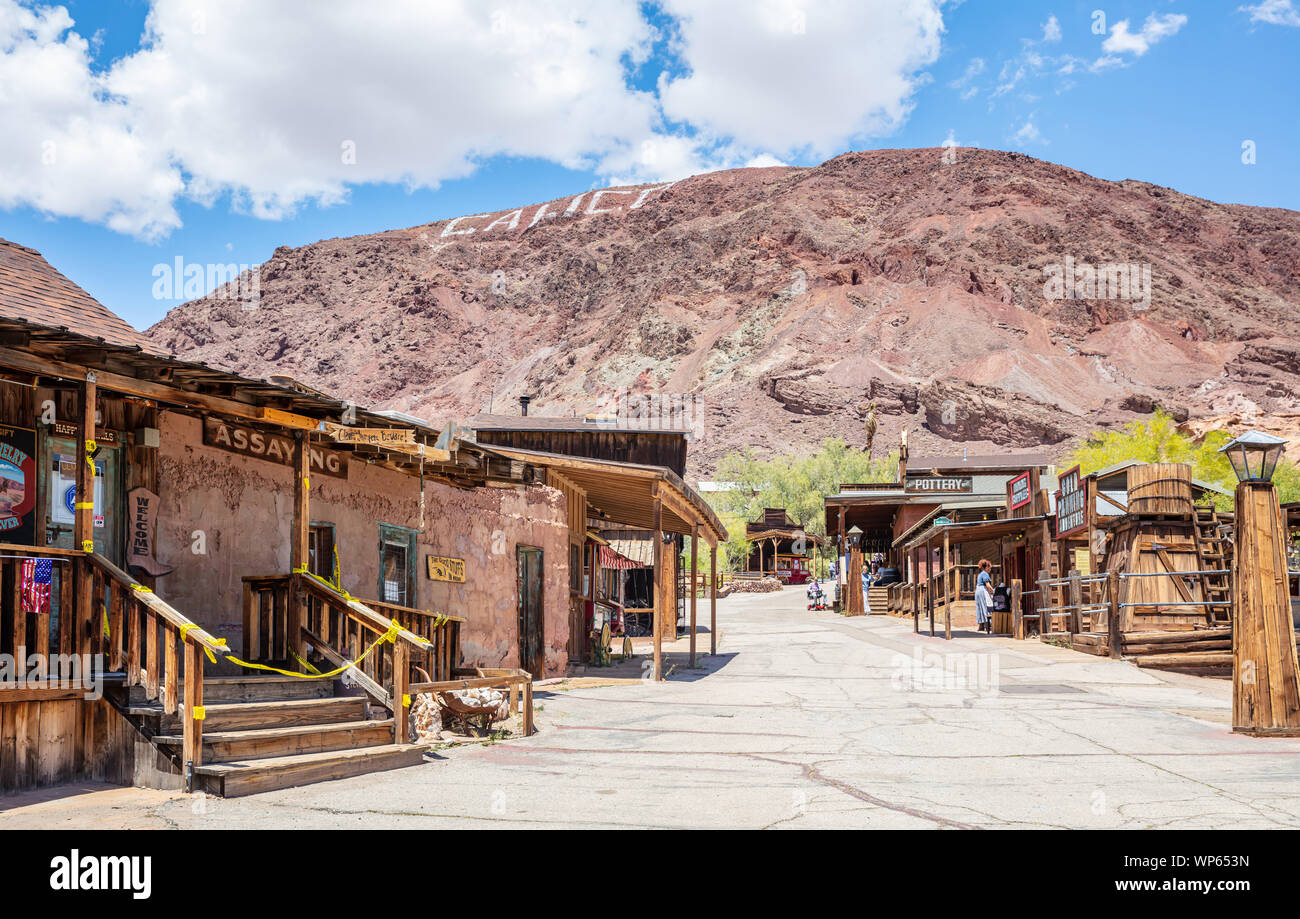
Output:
x,y
529,586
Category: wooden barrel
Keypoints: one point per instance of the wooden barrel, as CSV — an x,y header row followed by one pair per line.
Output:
x,y
1160,488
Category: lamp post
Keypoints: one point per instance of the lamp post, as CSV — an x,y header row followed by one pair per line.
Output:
x,y
1265,670
854,573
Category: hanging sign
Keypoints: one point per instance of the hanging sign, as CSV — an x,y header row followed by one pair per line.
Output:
x,y
1020,491
18,485
447,569
143,507
375,437
272,447
934,484
1071,506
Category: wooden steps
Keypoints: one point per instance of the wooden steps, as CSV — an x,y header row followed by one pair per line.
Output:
x,y
234,779
252,689
267,743
266,732
878,600
229,716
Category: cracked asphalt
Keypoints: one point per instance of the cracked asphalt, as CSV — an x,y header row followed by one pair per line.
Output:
x,y
804,720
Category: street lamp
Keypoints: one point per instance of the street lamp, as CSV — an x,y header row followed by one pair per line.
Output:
x,y
1265,668
855,536
1254,456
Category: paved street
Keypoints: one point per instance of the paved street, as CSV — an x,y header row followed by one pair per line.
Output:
x,y
808,720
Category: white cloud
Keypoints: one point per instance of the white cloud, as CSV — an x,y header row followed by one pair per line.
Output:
x,y
1051,30
1273,12
275,108
1028,134
788,77
1121,40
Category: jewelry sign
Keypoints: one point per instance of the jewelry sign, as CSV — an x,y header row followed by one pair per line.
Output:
x,y
18,485
447,569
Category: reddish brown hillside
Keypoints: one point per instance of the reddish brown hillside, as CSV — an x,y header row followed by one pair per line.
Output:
x,y
784,299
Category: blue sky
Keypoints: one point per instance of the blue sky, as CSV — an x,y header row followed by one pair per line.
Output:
x,y
141,132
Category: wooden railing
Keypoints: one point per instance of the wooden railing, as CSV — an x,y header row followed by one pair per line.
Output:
x,y
283,613
56,632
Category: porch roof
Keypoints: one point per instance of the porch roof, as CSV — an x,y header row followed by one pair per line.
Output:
x,y
201,389
625,492
975,529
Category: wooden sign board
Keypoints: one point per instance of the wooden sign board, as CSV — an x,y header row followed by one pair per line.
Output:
x,y
447,569
938,485
102,435
274,448
1021,493
1071,504
375,437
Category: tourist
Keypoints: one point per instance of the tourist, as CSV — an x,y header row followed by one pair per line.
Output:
x,y
984,596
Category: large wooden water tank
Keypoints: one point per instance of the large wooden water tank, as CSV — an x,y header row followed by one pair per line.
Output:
x,y
1160,488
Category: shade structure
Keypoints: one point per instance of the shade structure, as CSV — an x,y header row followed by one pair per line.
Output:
x,y
611,559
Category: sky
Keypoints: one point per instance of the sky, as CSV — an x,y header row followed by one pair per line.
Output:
x,y
136,133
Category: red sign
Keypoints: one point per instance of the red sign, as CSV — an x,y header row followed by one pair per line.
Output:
x,y
1020,493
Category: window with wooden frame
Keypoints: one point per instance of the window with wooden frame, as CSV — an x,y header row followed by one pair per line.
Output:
x,y
396,565
320,550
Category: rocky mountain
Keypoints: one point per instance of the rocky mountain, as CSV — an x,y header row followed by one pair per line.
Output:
x,y
978,298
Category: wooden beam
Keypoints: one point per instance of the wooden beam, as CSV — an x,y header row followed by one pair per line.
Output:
x,y
658,537
713,600
695,570
299,536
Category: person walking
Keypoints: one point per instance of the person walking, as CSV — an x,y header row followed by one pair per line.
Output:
x,y
984,597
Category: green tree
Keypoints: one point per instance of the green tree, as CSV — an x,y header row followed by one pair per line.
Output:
x,y
796,482
1158,440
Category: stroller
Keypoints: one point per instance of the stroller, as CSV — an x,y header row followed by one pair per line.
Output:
x,y
816,596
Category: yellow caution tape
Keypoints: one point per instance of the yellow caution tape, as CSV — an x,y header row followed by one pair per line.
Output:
x,y
144,590
88,545
302,660
84,505
306,483
200,713
406,700
90,446
107,634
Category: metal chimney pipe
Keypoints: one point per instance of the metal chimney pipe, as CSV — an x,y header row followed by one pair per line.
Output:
x,y
523,405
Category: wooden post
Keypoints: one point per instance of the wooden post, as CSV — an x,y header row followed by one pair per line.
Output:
x,y
1113,635
916,593
713,600
84,521
1017,613
695,568
1076,600
1044,601
192,720
401,701
929,584
299,540
948,593
529,727
658,538
1265,669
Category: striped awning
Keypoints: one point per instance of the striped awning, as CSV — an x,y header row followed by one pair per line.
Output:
x,y
611,559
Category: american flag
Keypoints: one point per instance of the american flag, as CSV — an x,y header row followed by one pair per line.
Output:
x,y
37,574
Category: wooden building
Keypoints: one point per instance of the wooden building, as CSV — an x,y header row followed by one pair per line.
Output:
x,y
884,517
196,522
625,474
781,548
